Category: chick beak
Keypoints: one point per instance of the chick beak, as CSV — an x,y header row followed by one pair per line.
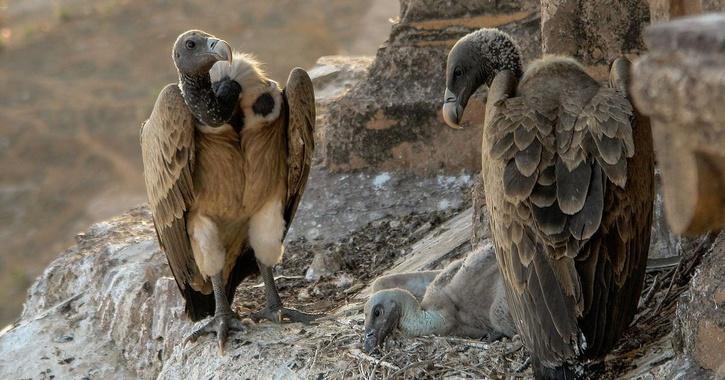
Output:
x,y
220,49
371,341
452,110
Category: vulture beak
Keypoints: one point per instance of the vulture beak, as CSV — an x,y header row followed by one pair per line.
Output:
x,y
371,340
452,110
220,49
378,329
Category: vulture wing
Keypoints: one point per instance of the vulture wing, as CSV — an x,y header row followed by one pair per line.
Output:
x,y
167,148
299,98
571,212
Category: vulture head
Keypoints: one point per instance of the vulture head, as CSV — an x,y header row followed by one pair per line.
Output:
x,y
195,52
472,62
382,315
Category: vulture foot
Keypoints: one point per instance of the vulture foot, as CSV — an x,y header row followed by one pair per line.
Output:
x,y
280,314
274,311
219,325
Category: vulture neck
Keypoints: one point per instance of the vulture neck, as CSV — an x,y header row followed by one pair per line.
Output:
x,y
416,321
497,52
203,102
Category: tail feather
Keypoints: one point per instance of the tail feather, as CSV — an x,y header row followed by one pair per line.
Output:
x,y
562,372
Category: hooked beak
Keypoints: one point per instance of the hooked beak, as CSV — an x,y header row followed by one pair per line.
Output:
x,y
371,340
452,110
220,49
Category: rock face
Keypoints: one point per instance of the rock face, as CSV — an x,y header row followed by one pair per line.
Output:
x,y
108,309
680,84
700,322
333,76
101,310
665,10
577,28
391,120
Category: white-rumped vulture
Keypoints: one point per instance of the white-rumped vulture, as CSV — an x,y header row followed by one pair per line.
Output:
x,y
568,176
226,156
467,298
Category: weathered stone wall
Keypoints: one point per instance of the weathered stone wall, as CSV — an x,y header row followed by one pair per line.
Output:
x,y
333,76
392,120
665,10
593,31
680,84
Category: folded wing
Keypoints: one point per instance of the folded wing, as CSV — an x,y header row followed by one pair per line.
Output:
x,y
167,148
565,200
300,107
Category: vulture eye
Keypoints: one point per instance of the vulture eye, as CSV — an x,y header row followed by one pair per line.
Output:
x,y
190,44
457,72
377,312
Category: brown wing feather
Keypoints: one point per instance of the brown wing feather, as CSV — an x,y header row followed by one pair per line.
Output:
x,y
300,108
167,148
576,292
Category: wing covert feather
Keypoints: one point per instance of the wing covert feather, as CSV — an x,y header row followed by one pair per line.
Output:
x,y
300,98
167,148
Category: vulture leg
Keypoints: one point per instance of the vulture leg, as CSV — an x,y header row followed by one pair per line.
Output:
x,y
224,318
274,311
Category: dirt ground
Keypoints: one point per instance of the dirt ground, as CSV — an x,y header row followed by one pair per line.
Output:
x,y
359,259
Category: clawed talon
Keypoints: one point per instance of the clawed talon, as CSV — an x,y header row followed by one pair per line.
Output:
x,y
279,314
219,325
523,365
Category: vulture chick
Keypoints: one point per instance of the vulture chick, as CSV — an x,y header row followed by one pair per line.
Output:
x,y
568,172
467,298
225,170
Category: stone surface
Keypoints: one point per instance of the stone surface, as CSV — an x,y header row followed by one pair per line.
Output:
x,y
700,323
593,31
103,309
336,203
106,308
332,76
680,84
665,10
391,120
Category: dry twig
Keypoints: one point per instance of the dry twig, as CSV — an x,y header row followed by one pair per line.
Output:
x,y
357,354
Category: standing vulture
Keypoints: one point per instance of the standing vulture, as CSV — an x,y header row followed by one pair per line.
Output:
x,y
226,156
568,173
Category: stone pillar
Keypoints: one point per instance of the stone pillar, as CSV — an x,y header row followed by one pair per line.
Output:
x,y
680,84
391,120
593,31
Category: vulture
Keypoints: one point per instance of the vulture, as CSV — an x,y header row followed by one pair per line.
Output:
x,y
226,157
568,171
467,298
